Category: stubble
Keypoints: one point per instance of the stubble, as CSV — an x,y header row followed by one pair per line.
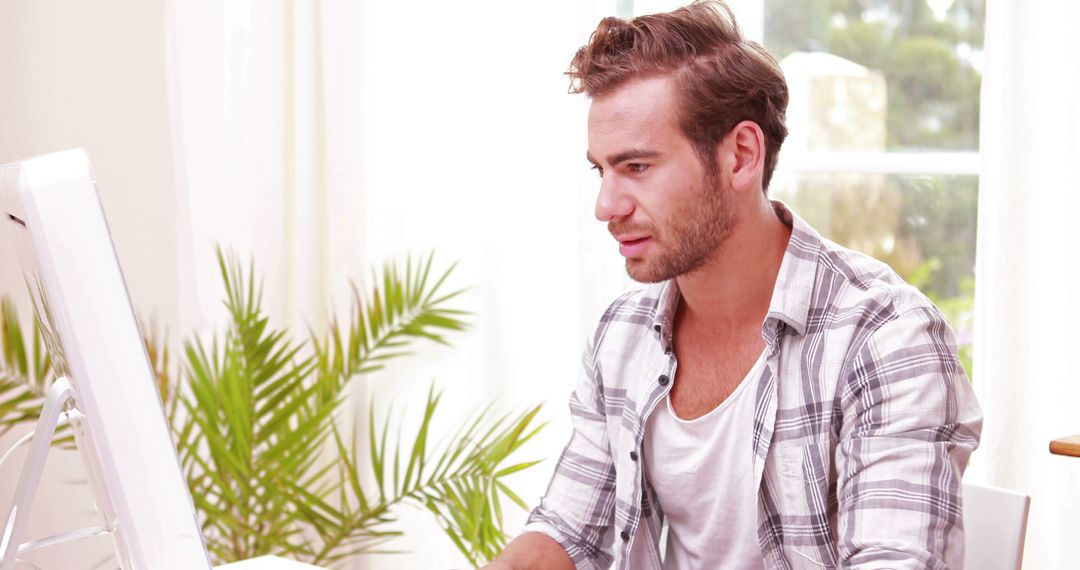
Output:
x,y
690,237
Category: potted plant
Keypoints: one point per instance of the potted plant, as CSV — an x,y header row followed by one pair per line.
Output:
x,y
254,411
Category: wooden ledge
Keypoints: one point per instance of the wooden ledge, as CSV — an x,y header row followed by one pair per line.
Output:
x,y
1066,446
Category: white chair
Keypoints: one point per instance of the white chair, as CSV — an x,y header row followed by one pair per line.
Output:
x,y
995,522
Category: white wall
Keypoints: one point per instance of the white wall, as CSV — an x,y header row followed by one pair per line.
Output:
x,y
93,75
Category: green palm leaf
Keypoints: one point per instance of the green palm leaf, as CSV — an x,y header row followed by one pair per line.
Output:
x,y
384,320
253,426
460,482
25,370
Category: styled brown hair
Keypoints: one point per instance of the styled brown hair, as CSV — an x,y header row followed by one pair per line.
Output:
x,y
722,79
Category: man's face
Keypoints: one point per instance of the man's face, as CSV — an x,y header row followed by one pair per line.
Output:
x,y
667,212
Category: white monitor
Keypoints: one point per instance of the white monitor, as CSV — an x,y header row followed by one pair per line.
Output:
x,y
51,207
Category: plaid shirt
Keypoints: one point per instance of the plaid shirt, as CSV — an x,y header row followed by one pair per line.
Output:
x,y
863,423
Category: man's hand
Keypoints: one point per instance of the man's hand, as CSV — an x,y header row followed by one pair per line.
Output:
x,y
530,551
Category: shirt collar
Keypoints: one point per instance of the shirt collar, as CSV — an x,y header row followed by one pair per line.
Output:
x,y
791,295
794,287
664,316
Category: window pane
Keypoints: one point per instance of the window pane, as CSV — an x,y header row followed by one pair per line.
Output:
x,y
922,226
927,52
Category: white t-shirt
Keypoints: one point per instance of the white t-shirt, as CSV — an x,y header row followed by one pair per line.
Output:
x,y
702,471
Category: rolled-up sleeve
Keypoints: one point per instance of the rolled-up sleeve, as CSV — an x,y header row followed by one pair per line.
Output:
x,y
578,508
910,422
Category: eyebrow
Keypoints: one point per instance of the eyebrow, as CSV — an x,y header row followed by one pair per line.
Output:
x,y
632,154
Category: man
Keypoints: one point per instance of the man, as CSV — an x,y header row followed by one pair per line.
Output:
x,y
775,400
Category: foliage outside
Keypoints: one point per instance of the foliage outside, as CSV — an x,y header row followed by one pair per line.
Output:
x,y
254,418
929,59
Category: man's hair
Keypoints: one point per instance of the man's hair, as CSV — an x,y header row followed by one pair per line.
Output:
x,y
721,78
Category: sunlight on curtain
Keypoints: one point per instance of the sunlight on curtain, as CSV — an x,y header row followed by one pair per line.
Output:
x,y
263,100
226,66
1027,309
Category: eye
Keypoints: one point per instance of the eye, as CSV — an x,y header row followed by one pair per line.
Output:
x,y
637,167
599,171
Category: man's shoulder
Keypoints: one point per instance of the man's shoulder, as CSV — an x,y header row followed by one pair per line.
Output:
x,y
850,280
828,288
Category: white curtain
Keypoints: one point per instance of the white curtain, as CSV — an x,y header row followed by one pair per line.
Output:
x,y
266,142
1027,304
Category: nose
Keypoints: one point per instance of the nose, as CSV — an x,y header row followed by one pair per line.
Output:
x,y
612,203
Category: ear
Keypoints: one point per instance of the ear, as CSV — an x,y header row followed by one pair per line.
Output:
x,y
744,148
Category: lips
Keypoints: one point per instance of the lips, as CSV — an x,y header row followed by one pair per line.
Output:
x,y
632,246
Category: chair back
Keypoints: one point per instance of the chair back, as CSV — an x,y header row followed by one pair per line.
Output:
x,y
995,522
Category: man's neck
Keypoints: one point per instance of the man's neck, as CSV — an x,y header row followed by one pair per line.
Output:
x,y
734,289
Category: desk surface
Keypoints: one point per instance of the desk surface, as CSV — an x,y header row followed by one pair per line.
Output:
x,y
267,563
1066,446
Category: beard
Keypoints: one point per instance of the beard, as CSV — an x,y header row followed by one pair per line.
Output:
x,y
691,235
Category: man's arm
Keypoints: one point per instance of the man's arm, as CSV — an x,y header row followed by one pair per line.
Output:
x,y
910,422
532,551
573,525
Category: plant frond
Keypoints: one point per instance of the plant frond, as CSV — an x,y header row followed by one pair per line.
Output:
x,y
25,370
399,308
254,424
461,483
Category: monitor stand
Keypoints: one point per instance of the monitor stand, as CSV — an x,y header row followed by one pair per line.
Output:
x,y
54,412
59,409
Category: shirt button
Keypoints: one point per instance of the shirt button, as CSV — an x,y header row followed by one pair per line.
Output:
x,y
633,456
624,535
663,380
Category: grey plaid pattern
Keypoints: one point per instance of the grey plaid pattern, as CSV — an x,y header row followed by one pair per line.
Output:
x,y
863,424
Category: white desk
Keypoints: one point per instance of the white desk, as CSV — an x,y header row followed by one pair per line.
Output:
x,y
267,563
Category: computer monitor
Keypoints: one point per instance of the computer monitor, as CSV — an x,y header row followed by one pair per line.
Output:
x,y
50,205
